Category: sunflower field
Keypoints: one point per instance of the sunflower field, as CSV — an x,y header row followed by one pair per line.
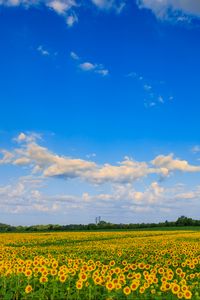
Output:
x,y
162,265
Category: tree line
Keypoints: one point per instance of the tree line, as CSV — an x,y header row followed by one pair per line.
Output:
x,y
102,225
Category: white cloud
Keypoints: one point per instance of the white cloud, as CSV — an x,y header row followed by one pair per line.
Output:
x,y
103,72
21,137
7,157
74,55
43,162
153,90
165,9
127,171
60,6
110,4
151,195
96,68
172,164
188,195
27,137
12,2
161,99
43,51
22,161
195,149
28,195
87,66
64,8
67,8
25,196
147,87
71,20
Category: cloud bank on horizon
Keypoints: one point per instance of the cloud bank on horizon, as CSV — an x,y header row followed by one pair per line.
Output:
x,y
42,165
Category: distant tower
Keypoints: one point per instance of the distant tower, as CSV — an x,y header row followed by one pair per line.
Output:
x,y
97,220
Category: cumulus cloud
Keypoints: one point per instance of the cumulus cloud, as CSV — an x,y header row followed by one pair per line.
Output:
x,y
21,137
53,165
121,177
87,66
48,164
28,137
67,8
151,198
127,171
165,9
61,7
28,195
172,164
151,195
96,68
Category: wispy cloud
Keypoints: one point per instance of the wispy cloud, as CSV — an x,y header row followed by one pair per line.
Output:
x,y
74,55
110,4
154,92
71,19
195,149
43,51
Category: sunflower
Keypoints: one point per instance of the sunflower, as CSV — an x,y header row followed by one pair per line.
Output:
x,y
83,276
53,272
62,278
28,289
134,286
188,295
142,290
175,288
110,285
118,286
127,290
28,272
112,263
79,285
180,295
43,279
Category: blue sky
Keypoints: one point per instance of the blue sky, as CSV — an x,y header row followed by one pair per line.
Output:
x,y
99,110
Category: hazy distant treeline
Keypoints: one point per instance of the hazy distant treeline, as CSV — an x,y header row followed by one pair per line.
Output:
x,y
102,225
